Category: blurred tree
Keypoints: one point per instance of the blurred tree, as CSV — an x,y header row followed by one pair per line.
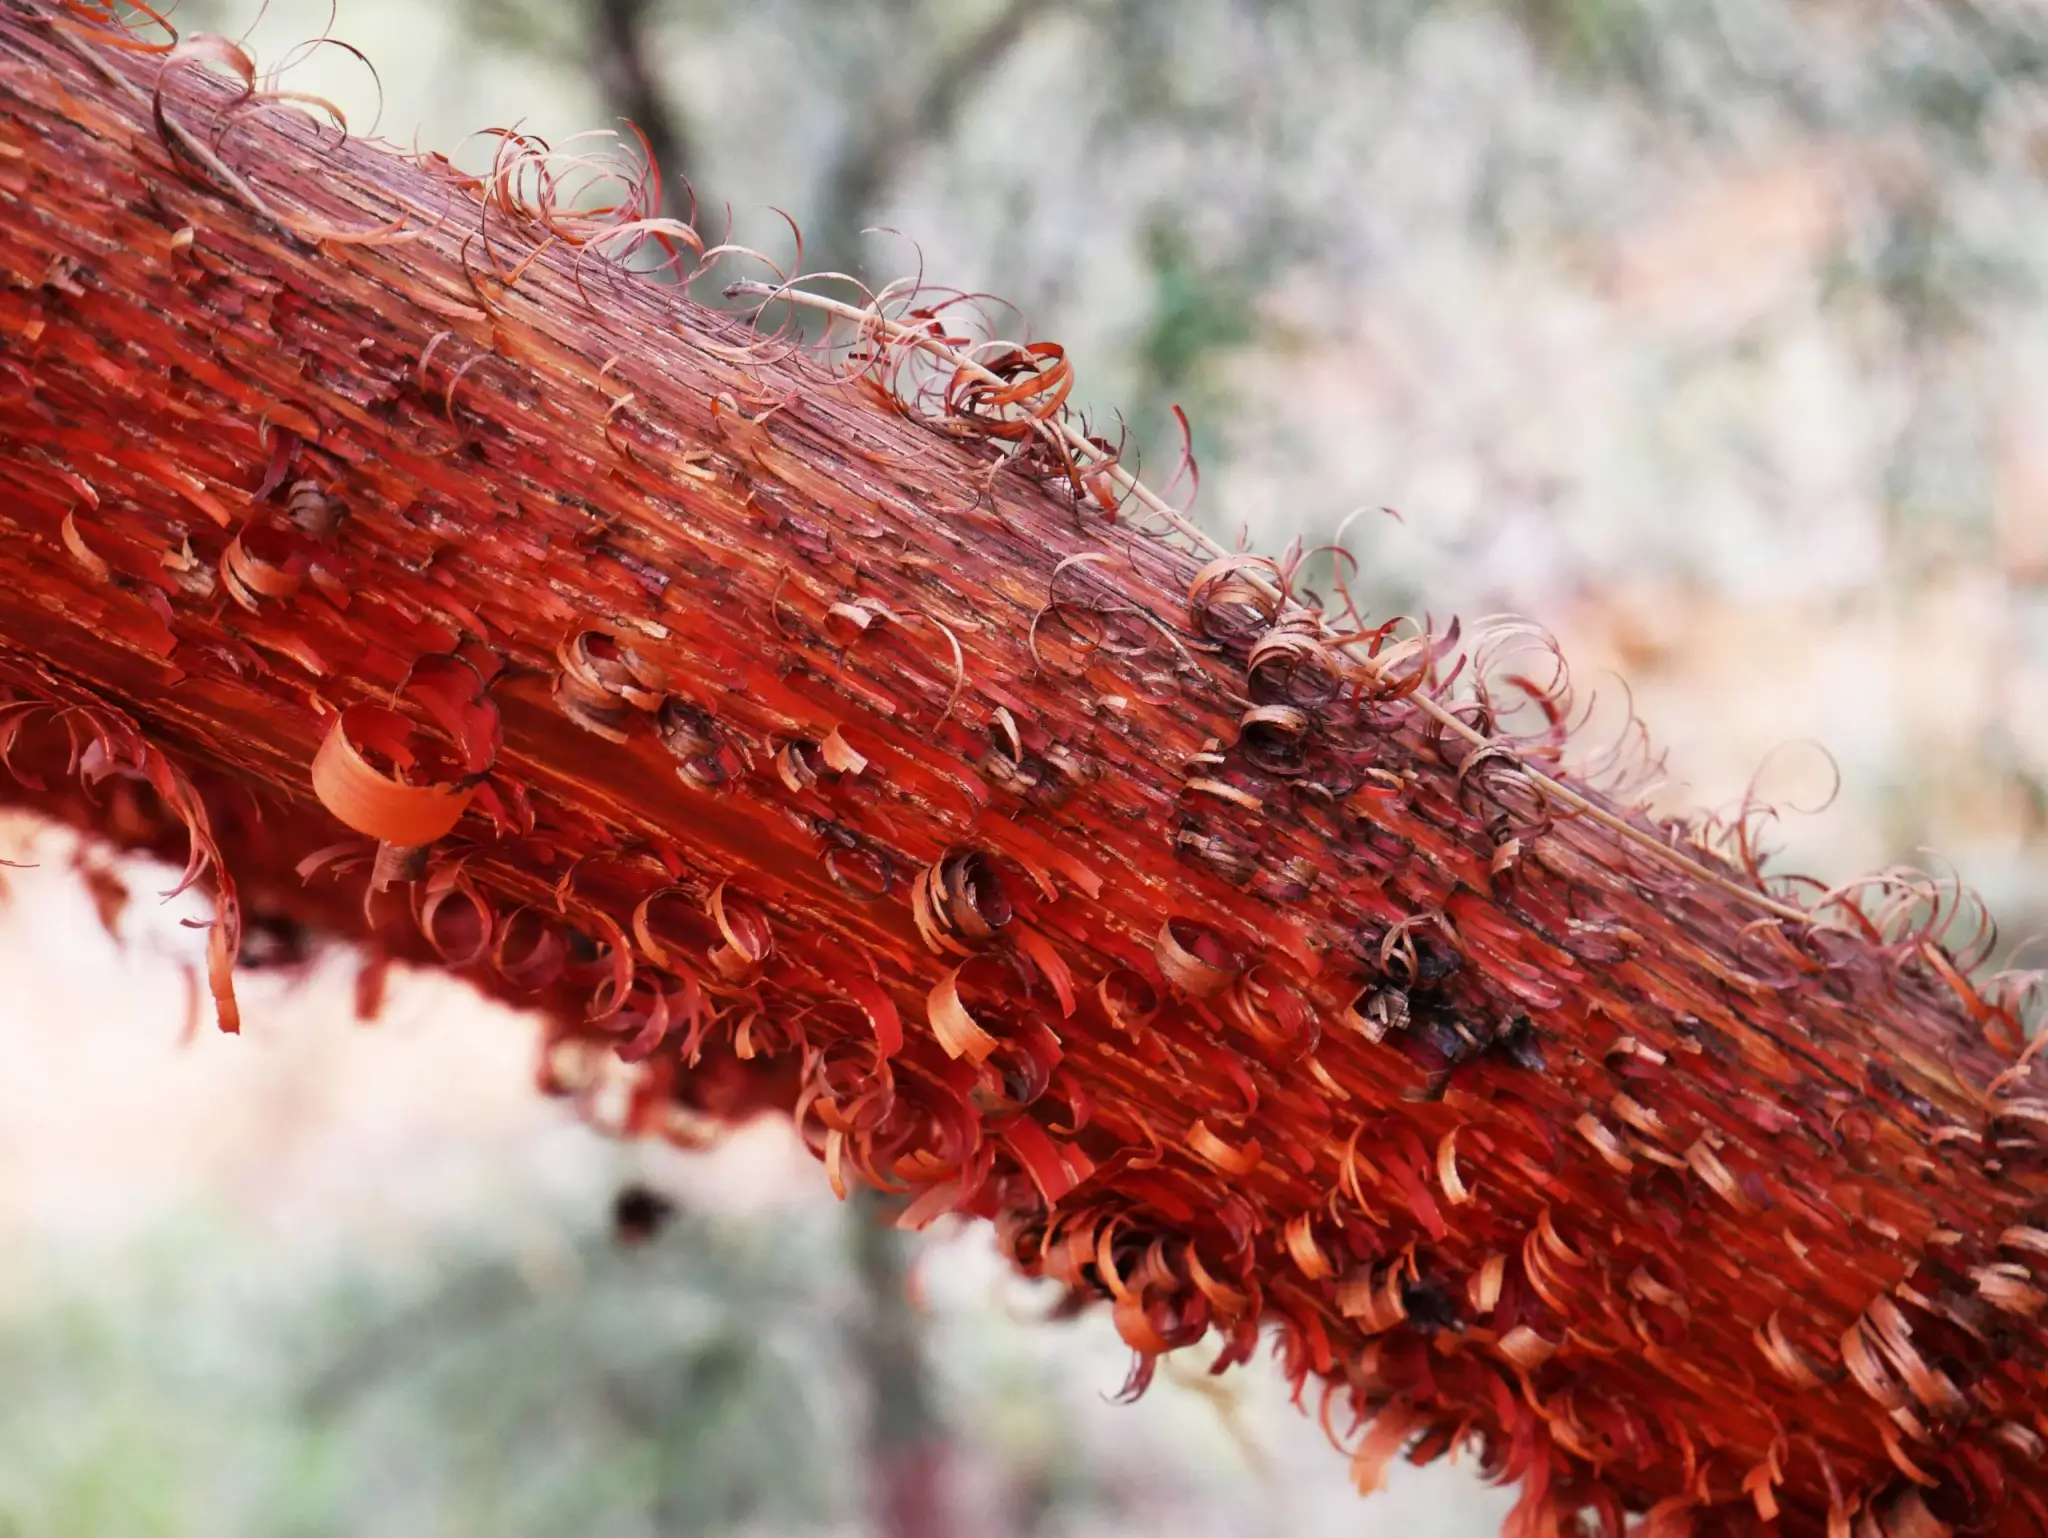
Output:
x,y
904,70
907,1453
622,58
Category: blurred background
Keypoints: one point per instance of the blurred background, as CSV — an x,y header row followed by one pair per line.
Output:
x,y
1710,333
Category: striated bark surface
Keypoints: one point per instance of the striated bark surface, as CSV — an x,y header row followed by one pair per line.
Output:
x,y
808,731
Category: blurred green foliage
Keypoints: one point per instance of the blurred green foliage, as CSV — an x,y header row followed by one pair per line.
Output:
x,y
693,1385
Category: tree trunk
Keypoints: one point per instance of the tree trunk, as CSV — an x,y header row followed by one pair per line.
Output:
x,y
807,731
908,1453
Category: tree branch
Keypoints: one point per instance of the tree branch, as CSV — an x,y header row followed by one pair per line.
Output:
x,y
813,733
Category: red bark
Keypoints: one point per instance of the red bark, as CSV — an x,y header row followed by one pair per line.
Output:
x,y
805,738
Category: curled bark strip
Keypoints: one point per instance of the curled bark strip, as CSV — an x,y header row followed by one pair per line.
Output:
x,y
1374,1299
708,758
852,1088
1761,1483
1012,390
1605,1143
1228,1300
1903,1462
839,755
454,695
1455,1189
1525,1348
1790,1363
956,1030
1291,668
1051,966
1225,602
255,567
375,802
960,903
2009,1288
845,623
95,567
881,1012
798,765
1484,1289
1868,1369
1708,1166
864,870
1212,1150
313,510
1194,958
1129,1002
958,655
1263,1005
429,784
2022,1439
1273,738
1930,1388
1639,1118
2025,1240
602,683
474,918
655,949
1222,790
743,928
1308,1255
647,1011
533,961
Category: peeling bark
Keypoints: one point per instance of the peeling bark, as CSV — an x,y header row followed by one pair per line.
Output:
x,y
813,731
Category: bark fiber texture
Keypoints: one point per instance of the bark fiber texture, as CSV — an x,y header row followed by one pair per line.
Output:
x,y
804,730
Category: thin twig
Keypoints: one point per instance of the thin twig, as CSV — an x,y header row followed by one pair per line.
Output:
x,y
1077,443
